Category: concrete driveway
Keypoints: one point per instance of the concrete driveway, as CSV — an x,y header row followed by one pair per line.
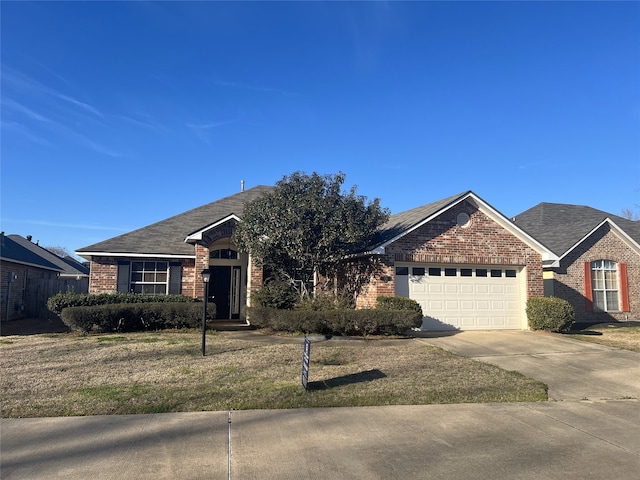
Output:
x,y
572,369
591,439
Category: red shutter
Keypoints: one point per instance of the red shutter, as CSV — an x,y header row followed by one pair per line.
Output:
x,y
588,293
624,287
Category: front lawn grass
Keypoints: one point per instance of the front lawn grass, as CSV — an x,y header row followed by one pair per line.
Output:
x,y
624,335
68,374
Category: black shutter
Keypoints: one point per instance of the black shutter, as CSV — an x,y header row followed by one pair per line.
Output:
x,y
123,277
175,278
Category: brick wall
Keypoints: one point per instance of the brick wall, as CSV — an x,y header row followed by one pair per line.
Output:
x,y
442,241
104,274
568,282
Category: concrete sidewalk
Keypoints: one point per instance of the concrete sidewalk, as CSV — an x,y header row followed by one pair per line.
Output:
x,y
537,441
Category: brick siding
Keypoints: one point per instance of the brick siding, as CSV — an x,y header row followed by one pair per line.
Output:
x,y
442,241
568,281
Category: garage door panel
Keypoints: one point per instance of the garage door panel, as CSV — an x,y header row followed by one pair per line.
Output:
x,y
472,301
450,305
451,289
466,289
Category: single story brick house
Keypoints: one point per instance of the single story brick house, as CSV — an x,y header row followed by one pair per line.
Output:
x,y
468,265
598,259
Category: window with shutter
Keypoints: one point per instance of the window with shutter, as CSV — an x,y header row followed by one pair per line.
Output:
x,y
605,285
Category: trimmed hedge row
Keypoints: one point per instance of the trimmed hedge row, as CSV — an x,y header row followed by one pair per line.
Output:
x,y
550,313
337,322
60,301
131,317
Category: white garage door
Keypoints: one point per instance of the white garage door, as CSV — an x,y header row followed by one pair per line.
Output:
x,y
463,297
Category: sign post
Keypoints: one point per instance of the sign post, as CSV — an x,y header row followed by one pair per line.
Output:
x,y
306,355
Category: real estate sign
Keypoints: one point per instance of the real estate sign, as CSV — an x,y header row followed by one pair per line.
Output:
x,y
306,355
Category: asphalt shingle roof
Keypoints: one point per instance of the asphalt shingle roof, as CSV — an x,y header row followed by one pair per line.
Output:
x,y
560,226
12,251
68,266
167,236
403,221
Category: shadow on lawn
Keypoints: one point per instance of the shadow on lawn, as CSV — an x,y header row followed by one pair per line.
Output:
x,y
366,376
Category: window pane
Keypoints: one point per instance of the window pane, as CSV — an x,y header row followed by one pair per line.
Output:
x,y
612,301
233,254
419,271
136,277
597,279
434,272
610,280
149,277
609,265
481,272
598,300
161,277
402,270
137,289
136,266
496,273
449,272
214,254
161,266
160,289
149,265
510,273
465,272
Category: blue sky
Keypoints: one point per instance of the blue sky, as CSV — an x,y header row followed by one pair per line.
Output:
x,y
117,115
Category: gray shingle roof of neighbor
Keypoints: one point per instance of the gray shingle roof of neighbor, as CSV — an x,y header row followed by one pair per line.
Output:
x,y
167,237
66,266
403,221
560,226
12,250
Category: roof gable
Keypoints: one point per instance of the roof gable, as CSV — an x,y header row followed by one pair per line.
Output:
x,y
562,227
406,222
167,237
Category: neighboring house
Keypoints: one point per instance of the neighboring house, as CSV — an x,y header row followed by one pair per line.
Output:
x,y
73,277
468,266
598,266
465,262
27,279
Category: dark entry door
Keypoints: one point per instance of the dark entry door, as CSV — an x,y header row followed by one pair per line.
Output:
x,y
220,289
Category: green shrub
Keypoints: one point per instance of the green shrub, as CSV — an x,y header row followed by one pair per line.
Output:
x,y
130,317
327,301
60,301
276,293
398,303
550,313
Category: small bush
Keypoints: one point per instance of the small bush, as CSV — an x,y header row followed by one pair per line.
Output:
x,y
550,313
60,301
276,293
130,317
327,301
398,303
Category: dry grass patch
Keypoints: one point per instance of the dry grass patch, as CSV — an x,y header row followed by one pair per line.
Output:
x,y
164,372
618,335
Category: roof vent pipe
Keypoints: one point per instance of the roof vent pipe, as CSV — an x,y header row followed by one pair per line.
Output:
x,y
242,185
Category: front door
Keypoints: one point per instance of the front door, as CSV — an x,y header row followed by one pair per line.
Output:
x,y
224,287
